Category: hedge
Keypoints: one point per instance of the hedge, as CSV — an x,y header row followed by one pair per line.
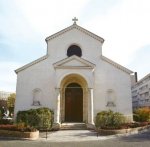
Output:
x,y
109,119
141,115
41,118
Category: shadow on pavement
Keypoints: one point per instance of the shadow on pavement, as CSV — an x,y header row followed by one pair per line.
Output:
x,y
141,137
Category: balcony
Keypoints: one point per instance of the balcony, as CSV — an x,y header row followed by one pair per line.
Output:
x,y
144,90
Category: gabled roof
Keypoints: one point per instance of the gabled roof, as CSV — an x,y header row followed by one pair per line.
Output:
x,y
116,65
31,63
75,26
74,62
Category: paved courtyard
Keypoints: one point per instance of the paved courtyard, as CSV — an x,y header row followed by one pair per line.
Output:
x,y
72,135
84,138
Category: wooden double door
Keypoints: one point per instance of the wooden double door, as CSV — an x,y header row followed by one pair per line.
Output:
x,y
73,103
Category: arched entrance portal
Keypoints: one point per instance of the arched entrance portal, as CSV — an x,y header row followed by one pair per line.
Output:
x,y
74,99
73,103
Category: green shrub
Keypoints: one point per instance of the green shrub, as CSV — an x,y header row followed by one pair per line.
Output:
x,y
0,114
141,115
109,119
19,127
6,121
39,118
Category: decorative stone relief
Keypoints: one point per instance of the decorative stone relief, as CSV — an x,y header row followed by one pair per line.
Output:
x,y
111,98
37,94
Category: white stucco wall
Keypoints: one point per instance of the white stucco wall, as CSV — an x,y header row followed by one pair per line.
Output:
x,y
109,77
42,75
91,48
39,76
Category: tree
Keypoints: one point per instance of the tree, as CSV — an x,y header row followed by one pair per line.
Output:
x,y
11,102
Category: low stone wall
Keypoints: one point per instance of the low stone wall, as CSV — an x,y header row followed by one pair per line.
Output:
x,y
120,131
18,134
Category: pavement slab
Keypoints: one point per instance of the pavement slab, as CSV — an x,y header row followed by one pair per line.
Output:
x,y
81,138
72,135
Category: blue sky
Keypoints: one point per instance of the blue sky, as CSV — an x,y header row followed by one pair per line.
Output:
x,y
24,25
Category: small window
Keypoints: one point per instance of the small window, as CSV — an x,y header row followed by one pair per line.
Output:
x,y
74,50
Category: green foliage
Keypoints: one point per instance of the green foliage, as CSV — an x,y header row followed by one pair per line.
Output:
x,y
11,103
109,119
18,127
39,118
6,121
0,114
142,115
11,100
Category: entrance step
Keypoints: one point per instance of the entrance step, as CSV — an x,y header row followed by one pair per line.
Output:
x,y
73,126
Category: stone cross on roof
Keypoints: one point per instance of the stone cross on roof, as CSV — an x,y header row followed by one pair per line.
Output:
x,y
74,19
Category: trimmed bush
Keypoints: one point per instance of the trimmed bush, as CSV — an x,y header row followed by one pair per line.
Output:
x,y
17,128
109,119
41,118
142,115
6,121
0,114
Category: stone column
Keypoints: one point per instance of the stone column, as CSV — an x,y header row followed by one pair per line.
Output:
x,y
56,124
90,124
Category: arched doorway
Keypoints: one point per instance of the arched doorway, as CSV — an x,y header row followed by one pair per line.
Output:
x,y
73,103
78,83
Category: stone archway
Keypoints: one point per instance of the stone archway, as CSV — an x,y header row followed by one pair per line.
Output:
x,y
77,82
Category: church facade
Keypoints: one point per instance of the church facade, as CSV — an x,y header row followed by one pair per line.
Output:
x,y
74,79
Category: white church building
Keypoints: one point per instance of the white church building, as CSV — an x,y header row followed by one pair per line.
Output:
x,y
74,79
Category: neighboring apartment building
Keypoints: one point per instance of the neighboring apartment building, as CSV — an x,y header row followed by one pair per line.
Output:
x,y
141,93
